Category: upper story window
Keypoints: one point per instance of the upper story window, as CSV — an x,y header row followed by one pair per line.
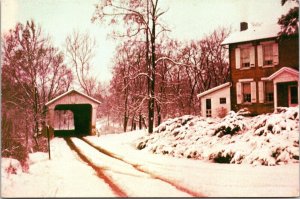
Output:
x,y
267,54
245,56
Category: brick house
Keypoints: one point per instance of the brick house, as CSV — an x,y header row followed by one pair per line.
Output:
x,y
264,70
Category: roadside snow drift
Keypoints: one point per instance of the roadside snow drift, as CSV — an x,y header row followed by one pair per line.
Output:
x,y
268,139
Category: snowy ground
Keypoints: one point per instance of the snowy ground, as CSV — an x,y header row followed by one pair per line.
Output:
x,y
206,178
104,126
142,173
63,176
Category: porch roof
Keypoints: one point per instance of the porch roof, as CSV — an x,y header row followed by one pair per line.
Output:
x,y
282,71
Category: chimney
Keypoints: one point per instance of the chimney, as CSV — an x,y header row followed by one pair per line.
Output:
x,y
244,26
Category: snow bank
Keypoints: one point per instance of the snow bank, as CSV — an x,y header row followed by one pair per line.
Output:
x,y
268,139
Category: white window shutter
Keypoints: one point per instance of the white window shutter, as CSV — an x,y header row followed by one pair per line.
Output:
x,y
260,56
239,93
252,56
275,54
261,93
237,58
253,92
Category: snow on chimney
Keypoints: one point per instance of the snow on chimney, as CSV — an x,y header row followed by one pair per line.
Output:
x,y
244,26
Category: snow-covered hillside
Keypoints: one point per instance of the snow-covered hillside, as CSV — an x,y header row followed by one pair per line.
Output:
x,y
268,139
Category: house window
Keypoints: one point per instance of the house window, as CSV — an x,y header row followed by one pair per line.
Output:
x,y
268,54
245,57
269,92
222,100
208,107
294,95
246,92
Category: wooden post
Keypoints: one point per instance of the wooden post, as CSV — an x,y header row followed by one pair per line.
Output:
x,y
48,136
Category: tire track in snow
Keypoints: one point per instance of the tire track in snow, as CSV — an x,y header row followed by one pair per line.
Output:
x,y
138,167
115,188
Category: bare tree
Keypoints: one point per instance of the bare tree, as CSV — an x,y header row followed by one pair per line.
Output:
x,y
80,50
182,71
129,82
33,72
143,20
205,65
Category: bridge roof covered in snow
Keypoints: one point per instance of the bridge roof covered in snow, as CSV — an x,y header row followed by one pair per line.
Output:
x,y
73,100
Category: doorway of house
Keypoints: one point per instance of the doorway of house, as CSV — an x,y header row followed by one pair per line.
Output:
x,y
287,94
293,95
208,107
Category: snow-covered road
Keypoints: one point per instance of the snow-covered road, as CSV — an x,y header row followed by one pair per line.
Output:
x,y
124,178
119,169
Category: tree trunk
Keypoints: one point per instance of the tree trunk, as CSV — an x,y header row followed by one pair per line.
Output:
x,y
35,115
140,121
152,80
158,114
133,125
144,122
125,122
26,132
125,104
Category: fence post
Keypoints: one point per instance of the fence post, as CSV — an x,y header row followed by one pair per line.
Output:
x,y
48,136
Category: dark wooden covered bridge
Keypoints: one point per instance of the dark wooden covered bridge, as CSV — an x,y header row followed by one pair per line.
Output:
x,y
72,114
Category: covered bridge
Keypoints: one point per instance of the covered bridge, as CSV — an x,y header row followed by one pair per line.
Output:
x,y
72,114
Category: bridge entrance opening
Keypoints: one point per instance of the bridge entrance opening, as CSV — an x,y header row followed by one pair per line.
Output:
x,y
72,119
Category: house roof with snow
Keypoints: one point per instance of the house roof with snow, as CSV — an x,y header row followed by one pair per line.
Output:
x,y
214,89
253,33
69,93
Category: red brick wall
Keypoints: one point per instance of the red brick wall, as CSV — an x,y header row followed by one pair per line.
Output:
x,y
288,57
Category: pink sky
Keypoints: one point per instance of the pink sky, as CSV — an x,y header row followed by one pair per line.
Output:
x,y
187,19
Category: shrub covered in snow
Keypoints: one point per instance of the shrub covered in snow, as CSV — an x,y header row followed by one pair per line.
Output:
x,y
10,166
268,139
17,151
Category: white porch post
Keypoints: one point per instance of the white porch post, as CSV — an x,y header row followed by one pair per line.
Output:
x,y
275,96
